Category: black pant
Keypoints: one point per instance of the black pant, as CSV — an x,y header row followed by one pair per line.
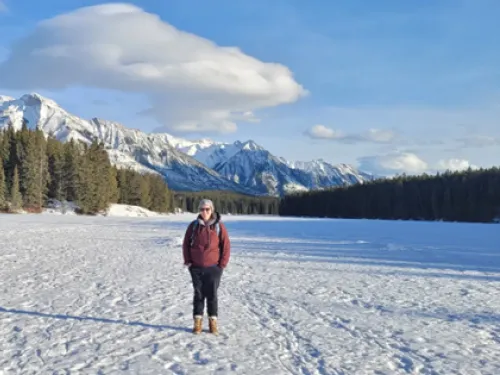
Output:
x,y
206,282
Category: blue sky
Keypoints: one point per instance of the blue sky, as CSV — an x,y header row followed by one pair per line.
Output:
x,y
391,85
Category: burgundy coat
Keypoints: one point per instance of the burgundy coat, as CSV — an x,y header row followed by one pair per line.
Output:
x,y
208,249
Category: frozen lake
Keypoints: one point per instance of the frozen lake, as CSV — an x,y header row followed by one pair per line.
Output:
x,y
109,295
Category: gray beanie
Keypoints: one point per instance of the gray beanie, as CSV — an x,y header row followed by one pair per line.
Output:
x,y
206,202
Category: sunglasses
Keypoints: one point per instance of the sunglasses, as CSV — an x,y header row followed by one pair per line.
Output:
x,y
205,209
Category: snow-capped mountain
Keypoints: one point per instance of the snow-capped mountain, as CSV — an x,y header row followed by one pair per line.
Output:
x,y
250,164
226,159
243,167
255,167
126,147
206,151
324,174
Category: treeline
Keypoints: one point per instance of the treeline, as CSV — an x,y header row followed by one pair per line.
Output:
x,y
228,202
36,169
469,196
146,190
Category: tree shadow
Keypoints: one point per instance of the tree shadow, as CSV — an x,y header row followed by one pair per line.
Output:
x,y
93,319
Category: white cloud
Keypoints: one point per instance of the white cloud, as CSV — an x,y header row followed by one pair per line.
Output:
x,y
322,132
372,135
192,83
393,163
454,165
3,7
409,163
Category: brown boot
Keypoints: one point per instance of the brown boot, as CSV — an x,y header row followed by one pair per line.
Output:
x,y
198,321
212,323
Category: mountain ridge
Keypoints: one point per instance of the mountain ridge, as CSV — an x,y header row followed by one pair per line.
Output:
x,y
127,147
243,167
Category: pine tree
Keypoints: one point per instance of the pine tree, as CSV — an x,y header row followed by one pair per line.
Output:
x,y
160,195
55,153
5,152
16,199
145,188
85,192
105,181
34,169
71,163
134,189
42,167
95,182
122,180
10,155
94,179
22,144
113,191
30,188
2,151
3,200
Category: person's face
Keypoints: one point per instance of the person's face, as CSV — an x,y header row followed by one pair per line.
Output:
x,y
205,212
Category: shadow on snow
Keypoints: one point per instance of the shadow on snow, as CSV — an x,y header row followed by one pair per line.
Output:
x,y
98,320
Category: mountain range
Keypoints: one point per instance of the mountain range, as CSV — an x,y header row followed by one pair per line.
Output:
x,y
243,167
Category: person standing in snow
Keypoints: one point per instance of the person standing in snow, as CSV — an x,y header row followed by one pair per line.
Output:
x,y
206,251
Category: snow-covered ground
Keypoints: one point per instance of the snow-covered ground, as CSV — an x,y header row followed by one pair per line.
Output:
x,y
108,295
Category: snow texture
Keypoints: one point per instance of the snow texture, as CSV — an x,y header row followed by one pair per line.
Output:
x,y
244,167
101,295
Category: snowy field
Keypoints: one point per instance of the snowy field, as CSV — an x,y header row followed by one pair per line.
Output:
x,y
109,295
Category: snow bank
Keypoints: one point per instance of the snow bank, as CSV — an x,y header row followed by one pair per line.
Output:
x,y
124,210
115,210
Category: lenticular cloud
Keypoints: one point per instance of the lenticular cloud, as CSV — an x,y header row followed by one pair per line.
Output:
x,y
193,84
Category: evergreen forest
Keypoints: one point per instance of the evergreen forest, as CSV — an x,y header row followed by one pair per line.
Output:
x,y
472,195
228,202
37,170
